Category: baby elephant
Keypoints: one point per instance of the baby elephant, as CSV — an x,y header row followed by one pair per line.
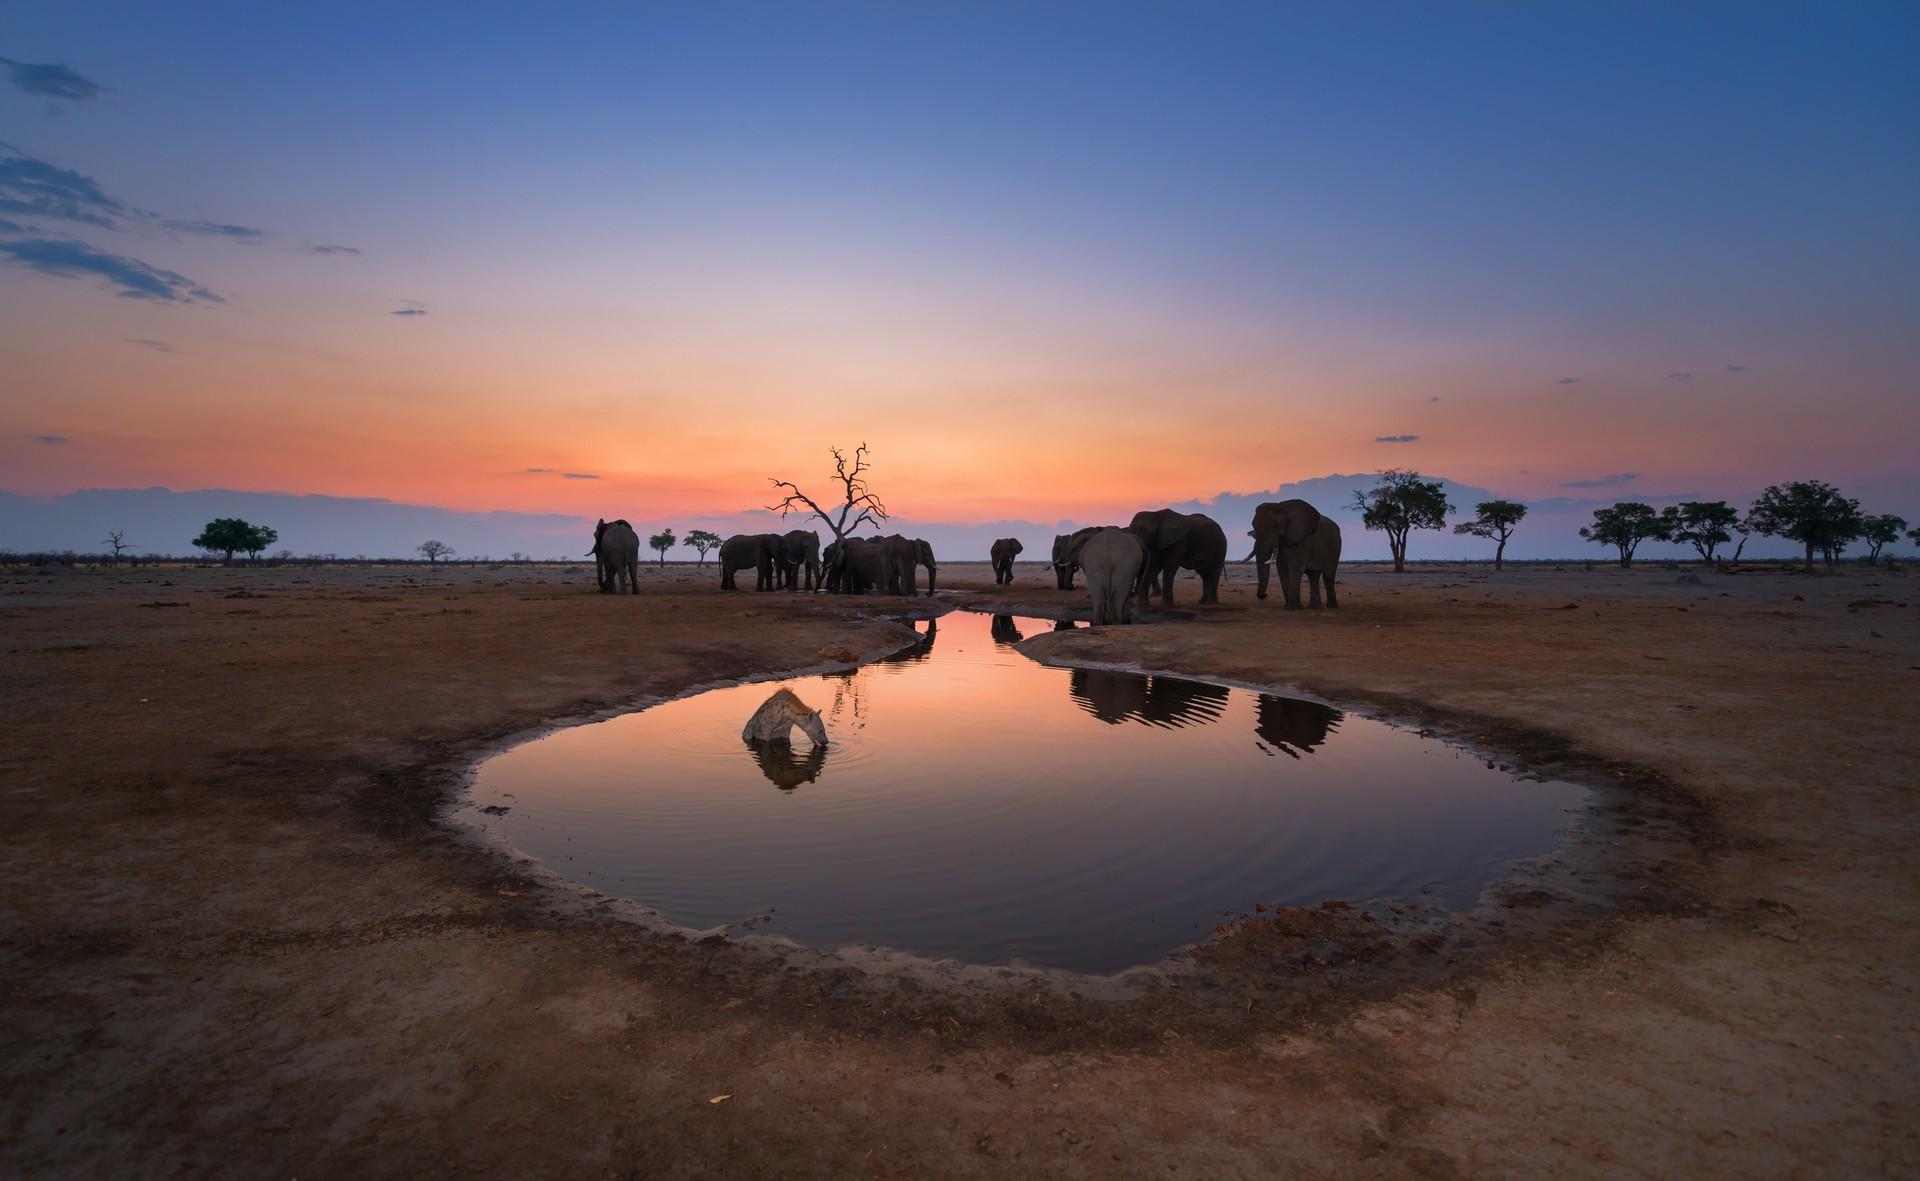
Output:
x,y
775,719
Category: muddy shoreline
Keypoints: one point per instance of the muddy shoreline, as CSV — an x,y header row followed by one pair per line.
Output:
x,y
239,940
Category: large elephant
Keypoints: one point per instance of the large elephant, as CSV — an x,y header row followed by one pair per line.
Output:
x,y
1003,552
799,549
898,557
1112,559
1299,540
616,552
853,565
1180,541
760,551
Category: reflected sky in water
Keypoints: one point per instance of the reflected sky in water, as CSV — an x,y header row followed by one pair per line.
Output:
x,y
975,804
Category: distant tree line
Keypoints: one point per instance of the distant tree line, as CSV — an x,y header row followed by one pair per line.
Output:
x,y
1810,512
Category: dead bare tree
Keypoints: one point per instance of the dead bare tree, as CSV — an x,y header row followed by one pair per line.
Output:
x,y
857,499
117,538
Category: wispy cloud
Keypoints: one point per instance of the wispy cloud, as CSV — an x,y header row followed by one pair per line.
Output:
x,y
1435,398
51,440
1682,376
34,188
1395,438
1569,381
540,471
216,229
68,259
1736,369
158,346
578,476
54,82
331,248
411,307
1612,481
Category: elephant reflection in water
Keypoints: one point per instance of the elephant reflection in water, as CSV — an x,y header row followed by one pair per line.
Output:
x,y
919,649
1004,632
1116,697
1292,726
1064,625
786,767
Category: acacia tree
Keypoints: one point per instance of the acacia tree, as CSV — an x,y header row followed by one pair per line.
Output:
x,y
857,500
662,542
1703,524
1625,526
1879,530
1494,519
228,535
433,551
701,540
1811,512
1400,503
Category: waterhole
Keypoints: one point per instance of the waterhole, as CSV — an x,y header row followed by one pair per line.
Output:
x,y
974,804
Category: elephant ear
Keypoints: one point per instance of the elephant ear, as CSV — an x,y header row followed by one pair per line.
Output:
x,y
1301,523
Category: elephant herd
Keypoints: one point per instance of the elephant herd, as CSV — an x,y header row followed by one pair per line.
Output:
x,y
1120,564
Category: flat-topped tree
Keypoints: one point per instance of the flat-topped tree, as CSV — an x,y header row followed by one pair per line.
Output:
x,y
1878,531
661,542
1400,503
227,536
433,551
1495,520
1703,524
854,498
1811,512
701,540
1624,526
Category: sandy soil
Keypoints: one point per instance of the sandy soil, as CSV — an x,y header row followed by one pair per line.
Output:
x,y
238,941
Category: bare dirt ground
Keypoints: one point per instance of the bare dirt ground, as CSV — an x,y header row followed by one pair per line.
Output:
x,y
238,941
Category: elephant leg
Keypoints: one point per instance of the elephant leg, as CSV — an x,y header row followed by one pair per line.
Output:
x,y
1290,580
1313,588
1332,600
633,574
1166,584
1210,587
1260,589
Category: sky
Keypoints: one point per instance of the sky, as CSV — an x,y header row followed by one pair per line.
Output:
x,y
1051,261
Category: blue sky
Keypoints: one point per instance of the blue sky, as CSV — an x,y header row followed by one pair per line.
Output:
x,y
1185,248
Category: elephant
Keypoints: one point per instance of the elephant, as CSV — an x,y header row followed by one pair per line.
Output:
x,y
1298,540
798,549
1112,559
923,554
1003,552
1177,541
616,552
898,557
758,550
1063,568
1292,726
853,565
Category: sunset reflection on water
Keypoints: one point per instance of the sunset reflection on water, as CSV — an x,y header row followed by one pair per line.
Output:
x,y
972,803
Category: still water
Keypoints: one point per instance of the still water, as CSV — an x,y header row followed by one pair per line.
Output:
x,y
972,803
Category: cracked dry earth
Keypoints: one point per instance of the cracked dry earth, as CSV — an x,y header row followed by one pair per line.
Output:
x,y
237,941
